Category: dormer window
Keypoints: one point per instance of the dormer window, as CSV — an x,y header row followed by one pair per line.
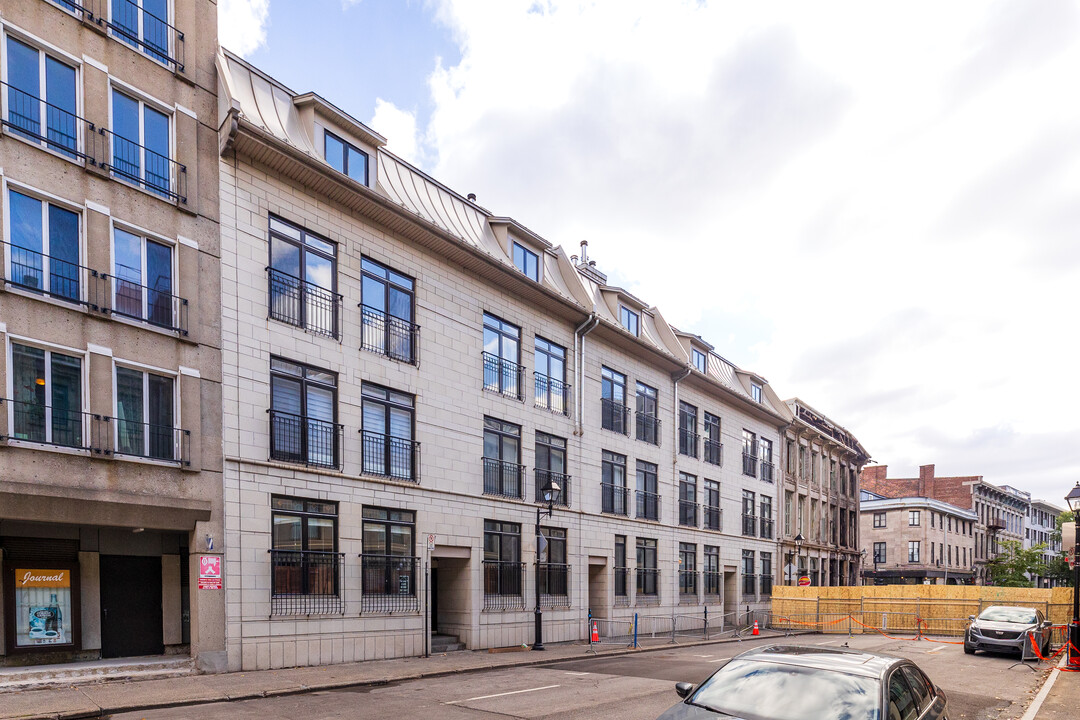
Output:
x,y
527,262
629,319
346,159
701,360
755,392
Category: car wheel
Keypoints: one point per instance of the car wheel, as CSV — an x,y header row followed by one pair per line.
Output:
x,y
1045,650
968,649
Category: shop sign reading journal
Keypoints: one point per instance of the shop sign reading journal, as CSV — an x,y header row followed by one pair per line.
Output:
x,y
43,578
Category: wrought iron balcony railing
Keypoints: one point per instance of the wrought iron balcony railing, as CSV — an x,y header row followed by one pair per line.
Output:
x,y
688,513
306,582
749,523
504,376
49,425
544,478
713,582
145,168
551,394
688,584
614,416
766,585
391,457
145,31
303,304
306,440
767,469
749,464
388,583
767,528
688,442
554,579
648,584
152,441
648,428
749,585
505,479
504,583
391,336
613,499
154,306
714,452
648,505
622,579
51,276
33,118
713,518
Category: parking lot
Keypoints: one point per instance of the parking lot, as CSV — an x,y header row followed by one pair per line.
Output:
x,y
639,685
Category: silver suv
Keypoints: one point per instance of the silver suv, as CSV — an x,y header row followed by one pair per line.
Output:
x,y
1003,628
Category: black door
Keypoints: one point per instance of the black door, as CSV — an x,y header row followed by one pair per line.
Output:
x,y
131,606
433,609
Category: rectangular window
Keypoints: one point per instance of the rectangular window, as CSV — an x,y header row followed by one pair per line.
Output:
x,y
755,392
701,360
388,566
648,414
711,560
613,483
749,453
766,573
804,463
879,520
688,580
303,414
503,570
713,519
688,437
504,475
913,518
621,571
142,282
41,98
790,449
43,253
749,520
933,520
145,412
345,158
613,401
648,574
551,468
551,391
749,579
388,449
789,520
554,572
143,24
714,448
688,508
303,279
387,304
913,551
765,453
142,144
879,553
648,498
306,567
47,402
629,320
502,358
766,517
527,262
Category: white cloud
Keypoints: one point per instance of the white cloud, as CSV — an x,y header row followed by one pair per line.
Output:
x,y
877,202
399,128
242,24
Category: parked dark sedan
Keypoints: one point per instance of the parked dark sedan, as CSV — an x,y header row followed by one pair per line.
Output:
x,y
1003,628
782,682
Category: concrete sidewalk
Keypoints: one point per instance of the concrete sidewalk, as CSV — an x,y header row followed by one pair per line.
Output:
x,y
1059,699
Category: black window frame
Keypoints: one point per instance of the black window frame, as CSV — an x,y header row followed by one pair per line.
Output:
x,y
696,356
688,435
383,568
647,490
712,520
613,494
622,589
613,410
495,482
398,452
688,585
879,559
306,573
550,387
710,563
880,516
628,317
305,381
688,507
714,446
647,407
749,453
508,580
501,329
749,578
749,518
305,248
914,518
545,446
526,253
346,147
395,330
646,557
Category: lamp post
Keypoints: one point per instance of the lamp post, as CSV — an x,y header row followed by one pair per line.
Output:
x,y
798,554
862,561
1073,499
550,494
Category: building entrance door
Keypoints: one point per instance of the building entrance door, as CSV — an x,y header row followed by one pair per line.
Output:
x,y
131,618
598,589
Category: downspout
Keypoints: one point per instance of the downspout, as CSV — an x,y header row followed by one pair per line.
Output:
x,y
579,366
674,475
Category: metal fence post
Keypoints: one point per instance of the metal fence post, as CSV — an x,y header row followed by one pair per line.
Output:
x,y
635,631
672,625
706,622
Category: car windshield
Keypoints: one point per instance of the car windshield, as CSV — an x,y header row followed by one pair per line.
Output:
x,y
1025,616
755,689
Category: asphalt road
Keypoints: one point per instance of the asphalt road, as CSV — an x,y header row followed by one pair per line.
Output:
x,y
982,687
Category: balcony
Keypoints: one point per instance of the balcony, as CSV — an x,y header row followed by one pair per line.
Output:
x,y
648,505
504,377
614,416
61,427
303,304
749,525
391,457
47,275
714,452
155,307
648,428
621,577
551,394
688,442
714,518
554,579
146,32
766,585
389,336
688,586
767,528
46,124
503,585
767,471
306,582
648,586
995,525
688,513
713,583
613,499
139,165
152,442
504,479
388,583
544,478
749,464
305,440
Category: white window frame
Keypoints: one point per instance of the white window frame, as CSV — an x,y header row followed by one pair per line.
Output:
x,y
6,186
177,420
144,100
174,266
84,399
170,52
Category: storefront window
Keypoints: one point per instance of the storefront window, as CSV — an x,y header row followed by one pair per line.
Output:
x,y
42,607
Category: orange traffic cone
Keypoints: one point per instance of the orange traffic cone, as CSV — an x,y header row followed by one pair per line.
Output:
x,y
756,632
595,633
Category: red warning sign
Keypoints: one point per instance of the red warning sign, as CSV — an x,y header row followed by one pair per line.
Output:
x,y
209,572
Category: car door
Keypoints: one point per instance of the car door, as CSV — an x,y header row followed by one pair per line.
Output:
x,y
931,702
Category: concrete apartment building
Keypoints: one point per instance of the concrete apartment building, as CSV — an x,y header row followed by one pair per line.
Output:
x,y
916,540
1001,511
110,413
406,373
1039,527
820,527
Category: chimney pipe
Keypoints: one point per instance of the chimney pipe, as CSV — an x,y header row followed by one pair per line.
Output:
x,y
584,252
471,197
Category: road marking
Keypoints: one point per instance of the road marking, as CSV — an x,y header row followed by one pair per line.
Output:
x,y
512,692
829,642
939,648
575,673
703,656
719,659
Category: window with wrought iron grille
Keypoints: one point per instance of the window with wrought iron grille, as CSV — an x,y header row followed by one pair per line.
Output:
x,y
42,98
303,414
46,404
688,507
749,578
648,574
766,517
388,448
765,454
688,435
526,261
688,577
503,569
648,418
766,573
550,456
713,578
303,279
388,565
613,484
613,410
749,519
714,448
146,412
503,473
306,568
551,391
621,572
502,357
713,518
143,282
144,24
553,570
749,453
43,247
141,138
647,496
387,310
346,158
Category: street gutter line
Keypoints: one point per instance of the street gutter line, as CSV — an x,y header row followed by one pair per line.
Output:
x,y
512,692
1036,704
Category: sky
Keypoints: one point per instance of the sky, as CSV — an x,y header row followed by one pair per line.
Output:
x,y
875,206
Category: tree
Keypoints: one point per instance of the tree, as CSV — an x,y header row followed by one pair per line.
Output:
x,y
1013,566
1058,568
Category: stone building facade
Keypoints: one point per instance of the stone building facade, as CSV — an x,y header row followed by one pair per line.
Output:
x,y
820,505
109,320
405,373
1039,528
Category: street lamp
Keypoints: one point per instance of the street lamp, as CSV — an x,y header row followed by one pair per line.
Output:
x,y
798,554
550,495
1073,499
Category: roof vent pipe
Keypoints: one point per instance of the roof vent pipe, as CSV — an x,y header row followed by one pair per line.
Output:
x,y
471,197
584,252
